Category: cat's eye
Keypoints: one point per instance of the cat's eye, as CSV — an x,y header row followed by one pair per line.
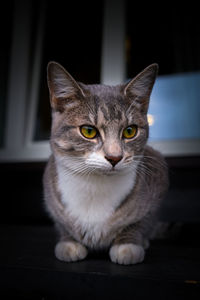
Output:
x,y
130,132
88,132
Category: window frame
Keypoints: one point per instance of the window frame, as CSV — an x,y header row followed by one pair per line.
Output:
x,y
21,113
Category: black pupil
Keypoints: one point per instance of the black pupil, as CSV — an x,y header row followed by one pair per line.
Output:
x,y
90,130
129,130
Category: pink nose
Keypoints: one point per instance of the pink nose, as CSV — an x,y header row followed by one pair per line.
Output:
x,y
113,159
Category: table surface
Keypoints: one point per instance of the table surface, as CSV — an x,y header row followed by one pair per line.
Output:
x,y
29,269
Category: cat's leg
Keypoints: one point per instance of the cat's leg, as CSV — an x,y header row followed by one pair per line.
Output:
x,y
129,245
69,250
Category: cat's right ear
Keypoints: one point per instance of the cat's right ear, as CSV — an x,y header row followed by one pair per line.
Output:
x,y
138,90
63,88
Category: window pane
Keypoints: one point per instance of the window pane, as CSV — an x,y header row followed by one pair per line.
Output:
x,y
175,107
6,34
72,38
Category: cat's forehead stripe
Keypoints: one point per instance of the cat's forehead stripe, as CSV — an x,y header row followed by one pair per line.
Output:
x,y
107,114
103,114
92,118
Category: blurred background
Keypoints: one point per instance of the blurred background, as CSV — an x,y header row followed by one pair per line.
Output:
x,y
97,42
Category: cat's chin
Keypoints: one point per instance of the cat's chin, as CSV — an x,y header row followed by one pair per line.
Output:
x,y
109,172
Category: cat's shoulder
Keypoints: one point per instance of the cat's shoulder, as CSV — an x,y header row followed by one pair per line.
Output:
x,y
50,173
154,154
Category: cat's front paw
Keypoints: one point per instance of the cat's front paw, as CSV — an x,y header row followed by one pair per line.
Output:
x,y
70,251
127,254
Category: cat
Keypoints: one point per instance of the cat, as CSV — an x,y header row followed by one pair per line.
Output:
x,y
103,184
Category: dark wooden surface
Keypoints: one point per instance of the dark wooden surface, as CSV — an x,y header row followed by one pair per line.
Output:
x,y
29,270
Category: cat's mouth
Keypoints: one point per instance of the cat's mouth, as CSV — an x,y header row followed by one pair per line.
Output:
x,y
111,171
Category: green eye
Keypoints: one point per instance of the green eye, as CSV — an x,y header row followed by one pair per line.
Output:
x,y
130,132
88,131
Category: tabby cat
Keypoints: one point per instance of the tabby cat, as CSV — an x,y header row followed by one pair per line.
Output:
x,y
103,184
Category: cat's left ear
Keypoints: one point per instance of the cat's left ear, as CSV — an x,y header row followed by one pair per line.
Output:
x,y
139,88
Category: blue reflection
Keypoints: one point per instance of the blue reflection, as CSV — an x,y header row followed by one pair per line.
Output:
x,y
175,107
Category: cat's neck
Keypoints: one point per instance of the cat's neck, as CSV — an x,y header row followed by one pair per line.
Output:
x,y
95,187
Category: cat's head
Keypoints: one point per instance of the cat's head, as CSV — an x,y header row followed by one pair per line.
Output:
x,y
99,128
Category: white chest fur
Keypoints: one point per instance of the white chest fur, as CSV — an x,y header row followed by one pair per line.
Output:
x,y
92,200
